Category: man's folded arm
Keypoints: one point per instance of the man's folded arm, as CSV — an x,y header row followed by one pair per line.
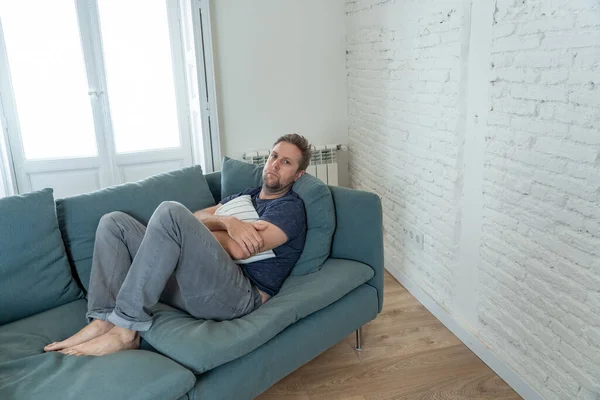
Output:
x,y
273,236
235,251
210,220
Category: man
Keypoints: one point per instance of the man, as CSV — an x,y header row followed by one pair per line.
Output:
x,y
187,260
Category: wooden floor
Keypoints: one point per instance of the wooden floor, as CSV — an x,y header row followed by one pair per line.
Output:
x,y
408,354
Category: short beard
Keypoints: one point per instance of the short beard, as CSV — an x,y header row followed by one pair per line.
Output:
x,y
277,188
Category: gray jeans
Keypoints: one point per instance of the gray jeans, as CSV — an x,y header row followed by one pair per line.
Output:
x,y
175,260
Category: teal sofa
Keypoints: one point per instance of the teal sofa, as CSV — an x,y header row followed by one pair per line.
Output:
x,y
45,257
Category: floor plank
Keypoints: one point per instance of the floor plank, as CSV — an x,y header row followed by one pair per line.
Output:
x,y
407,354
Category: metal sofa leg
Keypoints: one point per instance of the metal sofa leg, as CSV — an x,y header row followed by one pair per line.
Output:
x,y
359,339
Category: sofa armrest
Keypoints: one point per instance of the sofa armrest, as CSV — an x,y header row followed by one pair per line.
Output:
x,y
359,231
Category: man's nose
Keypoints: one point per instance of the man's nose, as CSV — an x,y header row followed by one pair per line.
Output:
x,y
276,164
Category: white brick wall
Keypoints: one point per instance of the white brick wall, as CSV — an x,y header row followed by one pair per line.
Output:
x,y
403,111
538,289
540,272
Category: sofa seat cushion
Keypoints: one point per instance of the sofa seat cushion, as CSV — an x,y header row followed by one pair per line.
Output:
x,y
26,372
201,345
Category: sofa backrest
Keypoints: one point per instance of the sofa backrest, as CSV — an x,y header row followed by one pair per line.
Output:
x,y
78,216
34,272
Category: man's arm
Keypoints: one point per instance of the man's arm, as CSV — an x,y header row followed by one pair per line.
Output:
x,y
243,233
281,222
230,245
272,237
210,220
218,228
271,234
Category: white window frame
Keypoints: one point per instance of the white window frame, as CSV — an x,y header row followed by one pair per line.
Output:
x,y
6,182
201,21
8,185
204,143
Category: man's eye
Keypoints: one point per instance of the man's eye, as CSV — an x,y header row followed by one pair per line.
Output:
x,y
287,162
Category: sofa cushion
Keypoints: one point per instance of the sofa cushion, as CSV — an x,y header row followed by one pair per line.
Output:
x,y
79,215
34,271
236,176
248,376
214,183
26,372
320,218
204,344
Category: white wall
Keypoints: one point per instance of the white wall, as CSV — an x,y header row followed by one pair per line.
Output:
x,y
478,123
280,67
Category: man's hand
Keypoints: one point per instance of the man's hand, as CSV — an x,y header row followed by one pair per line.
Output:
x,y
230,246
260,225
246,235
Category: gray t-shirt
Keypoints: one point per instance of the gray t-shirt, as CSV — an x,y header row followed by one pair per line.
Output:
x,y
288,214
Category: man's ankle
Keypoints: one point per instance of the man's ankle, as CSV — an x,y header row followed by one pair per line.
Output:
x,y
101,322
125,334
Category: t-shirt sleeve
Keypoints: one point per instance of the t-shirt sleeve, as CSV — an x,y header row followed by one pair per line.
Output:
x,y
288,215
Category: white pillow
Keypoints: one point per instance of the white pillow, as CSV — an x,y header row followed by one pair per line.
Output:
x,y
242,208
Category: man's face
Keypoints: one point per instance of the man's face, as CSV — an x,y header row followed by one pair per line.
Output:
x,y
281,170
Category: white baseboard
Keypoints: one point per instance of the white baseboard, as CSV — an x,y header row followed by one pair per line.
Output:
x,y
464,335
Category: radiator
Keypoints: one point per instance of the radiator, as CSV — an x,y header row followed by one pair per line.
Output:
x,y
329,163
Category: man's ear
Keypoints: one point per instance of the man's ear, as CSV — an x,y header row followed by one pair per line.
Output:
x,y
299,175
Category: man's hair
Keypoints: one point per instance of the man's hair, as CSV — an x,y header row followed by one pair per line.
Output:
x,y
300,142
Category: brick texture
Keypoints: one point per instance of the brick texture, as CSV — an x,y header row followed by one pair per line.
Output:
x,y
538,293
540,268
403,108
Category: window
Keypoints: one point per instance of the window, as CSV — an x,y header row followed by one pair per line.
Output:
x,y
100,92
139,74
48,77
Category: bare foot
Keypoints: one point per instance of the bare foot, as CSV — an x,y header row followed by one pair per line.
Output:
x,y
92,330
113,341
